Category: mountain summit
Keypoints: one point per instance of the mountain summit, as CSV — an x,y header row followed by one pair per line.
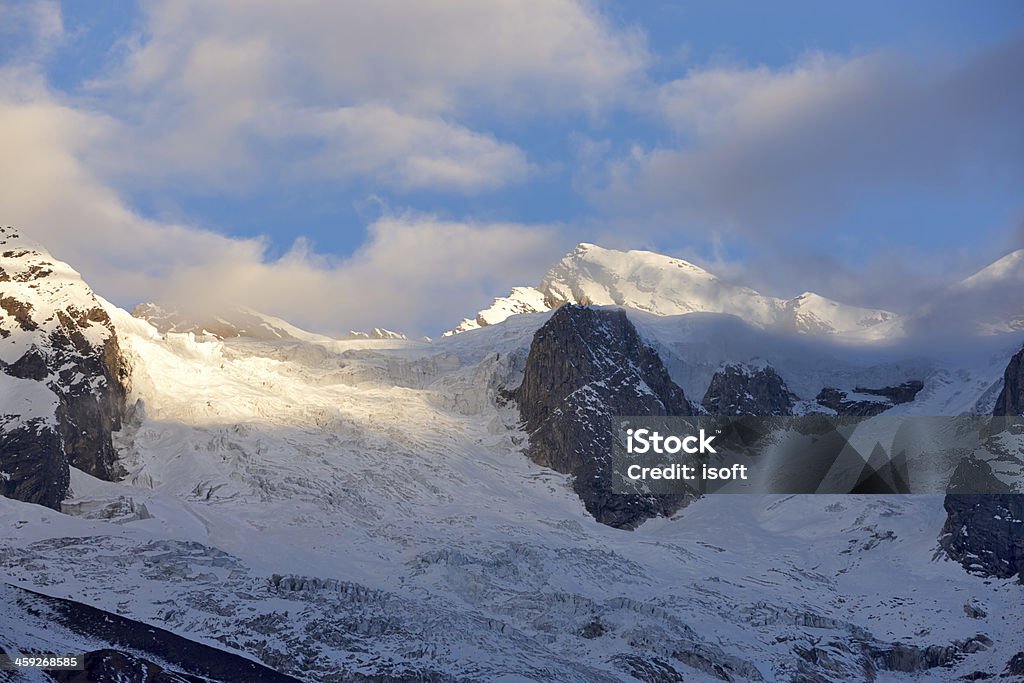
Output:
x,y
663,285
61,372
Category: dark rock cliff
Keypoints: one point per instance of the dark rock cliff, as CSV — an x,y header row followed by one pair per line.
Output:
x,y
32,459
985,532
739,389
584,367
872,402
1011,398
59,341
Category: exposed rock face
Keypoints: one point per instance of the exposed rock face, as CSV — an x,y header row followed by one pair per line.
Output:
x,y
114,665
740,389
985,533
1015,667
1011,398
584,367
32,460
58,343
909,658
864,402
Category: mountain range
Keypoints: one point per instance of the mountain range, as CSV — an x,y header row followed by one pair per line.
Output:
x,y
225,496
663,285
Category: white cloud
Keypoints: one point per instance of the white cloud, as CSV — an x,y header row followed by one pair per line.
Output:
x,y
210,94
437,56
415,273
409,151
223,94
722,102
35,28
776,152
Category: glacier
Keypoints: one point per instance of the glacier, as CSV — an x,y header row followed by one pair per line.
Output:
x,y
362,509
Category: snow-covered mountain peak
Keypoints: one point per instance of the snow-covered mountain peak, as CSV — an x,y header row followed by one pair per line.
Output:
x,y
41,296
375,333
1007,268
987,302
665,285
25,262
591,274
229,322
60,373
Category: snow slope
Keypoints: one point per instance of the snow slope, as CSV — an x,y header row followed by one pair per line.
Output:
x,y
365,507
987,302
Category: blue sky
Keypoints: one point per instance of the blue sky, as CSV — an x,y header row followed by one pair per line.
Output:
x,y
346,164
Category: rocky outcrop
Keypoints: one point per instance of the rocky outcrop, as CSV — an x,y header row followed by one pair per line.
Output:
x,y
1011,399
985,532
60,344
741,389
867,659
89,384
114,665
864,402
908,658
33,465
584,367
1015,667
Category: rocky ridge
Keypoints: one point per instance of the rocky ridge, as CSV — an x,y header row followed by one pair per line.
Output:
x,y
586,366
985,532
62,374
865,402
742,389
1010,401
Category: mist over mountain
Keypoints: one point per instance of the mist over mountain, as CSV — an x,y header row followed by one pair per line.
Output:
x,y
982,304
663,285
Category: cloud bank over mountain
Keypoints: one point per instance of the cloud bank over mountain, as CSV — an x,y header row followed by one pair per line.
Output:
x,y
209,145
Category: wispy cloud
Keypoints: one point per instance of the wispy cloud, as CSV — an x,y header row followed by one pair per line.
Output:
x,y
440,101
770,152
212,89
32,30
415,272
230,96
